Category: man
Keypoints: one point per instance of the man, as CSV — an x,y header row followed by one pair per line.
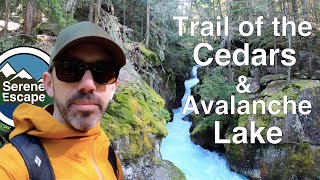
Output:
x,y
82,78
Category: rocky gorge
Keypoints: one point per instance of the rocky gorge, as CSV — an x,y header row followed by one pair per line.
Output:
x,y
158,63
297,155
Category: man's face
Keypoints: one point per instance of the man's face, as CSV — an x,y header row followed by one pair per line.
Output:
x,y
81,104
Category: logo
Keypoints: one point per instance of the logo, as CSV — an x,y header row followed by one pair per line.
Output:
x,y
37,160
21,72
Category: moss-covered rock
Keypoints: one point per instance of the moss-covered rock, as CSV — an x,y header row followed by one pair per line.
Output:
x,y
203,132
297,155
136,112
267,161
271,77
47,28
242,71
150,55
168,171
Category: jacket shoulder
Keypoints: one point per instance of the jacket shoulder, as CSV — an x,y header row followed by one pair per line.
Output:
x,y
12,165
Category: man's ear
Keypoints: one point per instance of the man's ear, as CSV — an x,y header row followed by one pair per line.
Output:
x,y
48,83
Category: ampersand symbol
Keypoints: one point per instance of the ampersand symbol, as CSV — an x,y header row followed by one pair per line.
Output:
x,y
241,85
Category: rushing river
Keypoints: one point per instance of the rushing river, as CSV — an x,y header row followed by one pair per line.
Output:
x,y
196,162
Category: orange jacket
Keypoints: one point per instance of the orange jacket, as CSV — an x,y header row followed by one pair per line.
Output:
x,y
73,154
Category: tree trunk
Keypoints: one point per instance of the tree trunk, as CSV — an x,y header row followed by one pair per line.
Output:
x,y
229,43
310,56
29,18
289,37
124,12
142,28
91,9
148,24
289,67
7,15
275,41
97,12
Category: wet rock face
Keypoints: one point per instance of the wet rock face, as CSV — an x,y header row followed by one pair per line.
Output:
x,y
180,89
205,138
204,134
297,156
150,165
168,171
254,85
284,161
292,129
311,122
141,167
307,66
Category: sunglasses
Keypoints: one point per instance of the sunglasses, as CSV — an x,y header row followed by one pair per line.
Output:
x,y
72,70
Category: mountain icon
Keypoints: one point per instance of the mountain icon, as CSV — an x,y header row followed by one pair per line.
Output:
x,y
40,81
7,70
23,74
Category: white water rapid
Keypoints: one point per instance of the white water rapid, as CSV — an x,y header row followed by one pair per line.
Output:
x,y
195,162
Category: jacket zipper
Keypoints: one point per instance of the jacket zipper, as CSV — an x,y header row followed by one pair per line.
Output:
x,y
95,165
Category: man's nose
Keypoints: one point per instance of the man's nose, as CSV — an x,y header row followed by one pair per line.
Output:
x,y
87,83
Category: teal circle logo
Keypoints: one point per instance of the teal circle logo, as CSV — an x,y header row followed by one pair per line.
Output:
x,y
21,70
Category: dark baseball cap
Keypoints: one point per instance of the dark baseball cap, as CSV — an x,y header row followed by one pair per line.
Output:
x,y
86,32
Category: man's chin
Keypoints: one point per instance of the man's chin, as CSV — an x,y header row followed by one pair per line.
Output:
x,y
84,123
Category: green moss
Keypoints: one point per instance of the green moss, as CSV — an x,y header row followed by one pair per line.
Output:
x,y
302,84
4,128
242,71
136,111
181,175
196,118
8,42
172,171
301,162
199,129
235,152
150,55
243,120
262,120
271,77
4,133
135,148
316,154
214,87
156,160
206,123
292,92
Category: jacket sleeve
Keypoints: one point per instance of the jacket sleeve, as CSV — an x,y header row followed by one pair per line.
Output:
x,y
12,165
120,171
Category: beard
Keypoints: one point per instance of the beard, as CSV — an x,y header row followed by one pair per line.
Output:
x,y
81,120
